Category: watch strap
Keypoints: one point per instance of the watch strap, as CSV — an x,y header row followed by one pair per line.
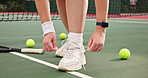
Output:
x,y
103,24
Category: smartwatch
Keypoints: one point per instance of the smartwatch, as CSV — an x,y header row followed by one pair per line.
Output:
x,y
102,24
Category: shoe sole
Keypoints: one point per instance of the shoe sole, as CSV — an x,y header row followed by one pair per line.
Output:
x,y
79,65
63,69
83,60
57,54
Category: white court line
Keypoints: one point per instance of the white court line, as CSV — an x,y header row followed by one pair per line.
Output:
x,y
49,64
130,22
124,21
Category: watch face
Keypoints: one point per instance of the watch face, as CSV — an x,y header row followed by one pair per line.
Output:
x,y
105,25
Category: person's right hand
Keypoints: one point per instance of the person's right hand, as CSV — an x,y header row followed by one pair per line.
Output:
x,y
49,42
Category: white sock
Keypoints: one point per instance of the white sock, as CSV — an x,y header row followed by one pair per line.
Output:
x,y
75,35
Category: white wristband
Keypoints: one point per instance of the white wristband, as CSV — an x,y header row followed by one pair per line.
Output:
x,y
47,27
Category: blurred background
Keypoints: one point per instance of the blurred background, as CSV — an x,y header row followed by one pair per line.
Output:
x,y
16,10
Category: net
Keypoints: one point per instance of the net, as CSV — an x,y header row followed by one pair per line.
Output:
x,y
25,10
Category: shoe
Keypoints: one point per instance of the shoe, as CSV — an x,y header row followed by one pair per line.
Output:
x,y
74,57
62,51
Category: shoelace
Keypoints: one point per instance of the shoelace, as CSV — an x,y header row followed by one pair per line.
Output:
x,y
63,42
71,53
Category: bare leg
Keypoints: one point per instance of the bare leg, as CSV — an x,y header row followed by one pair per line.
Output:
x,y
76,14
62,11
43,10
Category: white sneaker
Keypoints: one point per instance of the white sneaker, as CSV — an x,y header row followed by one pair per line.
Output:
x,y
74,58
62,51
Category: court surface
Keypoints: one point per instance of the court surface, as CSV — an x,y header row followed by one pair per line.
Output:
x,y
122,33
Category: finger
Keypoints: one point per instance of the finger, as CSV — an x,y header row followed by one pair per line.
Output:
x,y
100,48
96,48
54,44
92,47
50,46
46,48
89,44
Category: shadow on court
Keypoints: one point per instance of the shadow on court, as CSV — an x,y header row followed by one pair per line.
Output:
x,y
117,59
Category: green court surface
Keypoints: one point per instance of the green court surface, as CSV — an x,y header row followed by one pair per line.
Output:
x,y
122,33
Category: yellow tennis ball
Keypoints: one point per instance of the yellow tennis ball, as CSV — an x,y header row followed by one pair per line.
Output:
x,y
124,53
30,43
63,36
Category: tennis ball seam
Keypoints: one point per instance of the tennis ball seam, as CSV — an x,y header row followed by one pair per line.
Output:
x,y
124,53
30,43
63,36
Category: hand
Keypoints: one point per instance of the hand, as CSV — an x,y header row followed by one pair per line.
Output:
x,y
96,42
49,42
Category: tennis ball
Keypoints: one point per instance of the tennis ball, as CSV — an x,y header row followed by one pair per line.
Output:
x,y
124,53
63,36
30,43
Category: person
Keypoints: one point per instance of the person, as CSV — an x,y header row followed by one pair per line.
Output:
x,y
73,15
133,4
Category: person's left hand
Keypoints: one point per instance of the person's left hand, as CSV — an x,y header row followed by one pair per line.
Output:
x,y
97,40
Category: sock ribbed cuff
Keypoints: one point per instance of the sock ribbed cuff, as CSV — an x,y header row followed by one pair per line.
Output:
x,y
75,35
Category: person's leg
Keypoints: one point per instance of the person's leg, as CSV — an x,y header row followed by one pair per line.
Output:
x,y
73,14
62,12
61,6
76,14
74,50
